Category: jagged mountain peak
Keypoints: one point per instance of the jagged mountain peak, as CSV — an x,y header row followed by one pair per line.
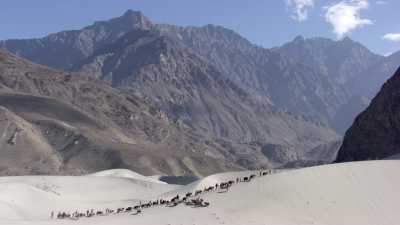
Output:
x,y
132,13
340,59
70,47
346,39
351,44
136,18
131,18
298,39
324,42
143,48
209,34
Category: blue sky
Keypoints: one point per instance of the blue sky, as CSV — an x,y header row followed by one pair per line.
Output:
x,y
267,23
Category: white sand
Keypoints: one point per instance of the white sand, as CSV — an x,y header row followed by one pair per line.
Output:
x,y
31,198
124,173
364,193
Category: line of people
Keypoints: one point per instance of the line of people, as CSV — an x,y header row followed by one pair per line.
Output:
x,y
190,199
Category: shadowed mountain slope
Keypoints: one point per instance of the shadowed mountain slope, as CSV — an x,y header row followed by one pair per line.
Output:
x,y
375,133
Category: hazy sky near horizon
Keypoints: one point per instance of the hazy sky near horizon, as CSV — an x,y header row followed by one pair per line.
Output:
x,y
268,23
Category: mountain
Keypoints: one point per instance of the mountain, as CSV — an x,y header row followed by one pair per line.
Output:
x,y
64,49
233,55
338,64
340,61
347,112
332,81
269,74
376,131
62,123
174,115
315,77
372,78
193,92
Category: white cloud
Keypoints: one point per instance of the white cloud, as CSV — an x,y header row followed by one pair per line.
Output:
x,y
345,16
392,36
300,8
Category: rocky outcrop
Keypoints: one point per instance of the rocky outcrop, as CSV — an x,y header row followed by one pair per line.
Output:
x,y
375,134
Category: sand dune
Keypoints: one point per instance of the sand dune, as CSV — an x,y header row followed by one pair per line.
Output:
x,y
124,173
364,193
33,198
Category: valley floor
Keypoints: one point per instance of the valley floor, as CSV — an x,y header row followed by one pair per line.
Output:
x,y
364,193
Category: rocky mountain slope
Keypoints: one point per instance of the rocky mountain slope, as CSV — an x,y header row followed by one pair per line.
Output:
x,y
338,64
340,61
370,80
63,123
375,133
17,135
314,77
180,116
305,76
194,93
